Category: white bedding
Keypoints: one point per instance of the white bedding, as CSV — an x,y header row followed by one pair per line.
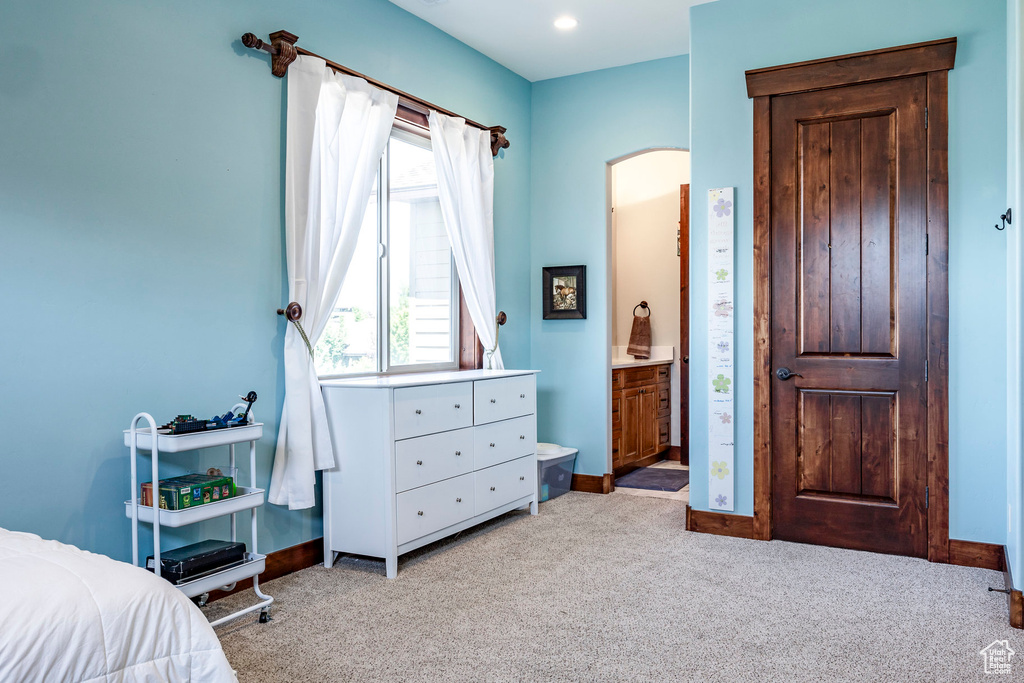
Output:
x,y
70,615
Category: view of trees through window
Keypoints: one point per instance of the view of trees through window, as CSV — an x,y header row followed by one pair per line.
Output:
x,y
396,306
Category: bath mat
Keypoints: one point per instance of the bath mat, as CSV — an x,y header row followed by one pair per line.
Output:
x,y
654,479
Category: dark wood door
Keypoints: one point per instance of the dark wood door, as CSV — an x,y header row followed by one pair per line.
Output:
x,y
848,291
629,415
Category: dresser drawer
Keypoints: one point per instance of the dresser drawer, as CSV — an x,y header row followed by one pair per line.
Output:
x,y
426,459
501,399
431,409
504,483
664,373
504,441
427,509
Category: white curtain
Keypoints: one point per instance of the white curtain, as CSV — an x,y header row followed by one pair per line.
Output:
x,y
465,183
337,128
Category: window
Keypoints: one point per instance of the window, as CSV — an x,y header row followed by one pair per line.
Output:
x,y
398,309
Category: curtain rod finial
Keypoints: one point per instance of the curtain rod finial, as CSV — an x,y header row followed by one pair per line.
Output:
x,y
281,49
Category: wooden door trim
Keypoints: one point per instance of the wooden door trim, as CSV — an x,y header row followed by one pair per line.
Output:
x,y
934,58
938,316
684,322
861,67
762,319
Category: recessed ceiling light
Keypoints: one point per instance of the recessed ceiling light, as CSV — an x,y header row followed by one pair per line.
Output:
x,y
566,23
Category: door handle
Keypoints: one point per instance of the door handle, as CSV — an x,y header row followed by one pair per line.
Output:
x,y
786,373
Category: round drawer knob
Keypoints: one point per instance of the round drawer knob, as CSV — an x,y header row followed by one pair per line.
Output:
x,y
458,500
457,406
522,478
458,452
419,412
492,488
493,400
420,513
492,445
419,462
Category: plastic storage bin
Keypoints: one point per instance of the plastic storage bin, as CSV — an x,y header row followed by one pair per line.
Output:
x,y
554,470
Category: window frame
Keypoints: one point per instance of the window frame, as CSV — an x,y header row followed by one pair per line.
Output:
x,y
467,352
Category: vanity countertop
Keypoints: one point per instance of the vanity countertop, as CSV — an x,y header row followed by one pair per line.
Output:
x,y
660,355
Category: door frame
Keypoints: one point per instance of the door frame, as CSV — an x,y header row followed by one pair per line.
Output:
x,y
684,324
934,59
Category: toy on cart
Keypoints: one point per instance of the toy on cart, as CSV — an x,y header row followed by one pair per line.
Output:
x,y
187,424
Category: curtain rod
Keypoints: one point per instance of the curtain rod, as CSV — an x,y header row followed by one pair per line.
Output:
x,y
283,52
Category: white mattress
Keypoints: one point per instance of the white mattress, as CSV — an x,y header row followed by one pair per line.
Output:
x,y
71,615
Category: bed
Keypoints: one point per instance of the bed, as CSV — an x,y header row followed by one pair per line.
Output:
x,y
72,615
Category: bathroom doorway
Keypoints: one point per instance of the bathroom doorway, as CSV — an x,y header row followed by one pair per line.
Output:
x,y
649,283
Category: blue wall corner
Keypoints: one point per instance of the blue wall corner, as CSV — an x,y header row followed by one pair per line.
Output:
x,y
580,123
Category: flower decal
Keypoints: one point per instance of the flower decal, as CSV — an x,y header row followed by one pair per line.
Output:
x,y
723,309
721,501
718,469
722,208
723,346
721,384
721,274
726,418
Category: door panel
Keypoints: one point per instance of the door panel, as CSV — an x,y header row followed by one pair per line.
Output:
x,y
849,432
648,420
629,411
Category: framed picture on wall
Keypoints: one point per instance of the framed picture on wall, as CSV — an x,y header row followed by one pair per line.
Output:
x,y
565,292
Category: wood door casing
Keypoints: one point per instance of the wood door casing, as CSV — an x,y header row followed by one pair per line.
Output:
x,y
684,324
849,301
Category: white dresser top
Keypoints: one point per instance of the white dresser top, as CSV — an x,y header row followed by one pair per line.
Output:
x,y
416,379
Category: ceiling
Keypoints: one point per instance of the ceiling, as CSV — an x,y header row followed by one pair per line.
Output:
x,y
520,34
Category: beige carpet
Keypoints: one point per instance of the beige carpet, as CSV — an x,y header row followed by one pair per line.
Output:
x,y
611,588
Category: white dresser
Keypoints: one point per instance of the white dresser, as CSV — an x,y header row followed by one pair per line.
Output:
x,y
422,456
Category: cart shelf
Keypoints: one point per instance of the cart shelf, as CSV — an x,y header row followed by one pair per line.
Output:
x,y
244,499
178,443
254,564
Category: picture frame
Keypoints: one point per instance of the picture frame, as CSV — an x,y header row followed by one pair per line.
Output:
x,y
564,292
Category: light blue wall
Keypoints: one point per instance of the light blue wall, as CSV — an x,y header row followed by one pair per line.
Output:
x,y
730,36
141,240
1014,299
579,124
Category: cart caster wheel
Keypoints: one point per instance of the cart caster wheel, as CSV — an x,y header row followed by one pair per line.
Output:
x,y
264,616
202,599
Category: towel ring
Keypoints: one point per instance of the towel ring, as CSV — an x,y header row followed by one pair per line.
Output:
x,y
643,305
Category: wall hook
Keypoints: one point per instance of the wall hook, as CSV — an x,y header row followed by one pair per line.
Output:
x,y
1007,219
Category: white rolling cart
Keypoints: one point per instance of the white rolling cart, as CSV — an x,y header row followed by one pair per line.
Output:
x,y
246,498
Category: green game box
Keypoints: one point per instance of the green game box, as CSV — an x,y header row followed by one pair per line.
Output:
x,y
189,490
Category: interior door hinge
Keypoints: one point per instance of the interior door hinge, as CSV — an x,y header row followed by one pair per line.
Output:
x,y
926,118
926,245
926,497
925,369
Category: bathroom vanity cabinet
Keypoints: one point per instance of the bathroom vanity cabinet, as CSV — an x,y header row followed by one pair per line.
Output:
x,y
641,415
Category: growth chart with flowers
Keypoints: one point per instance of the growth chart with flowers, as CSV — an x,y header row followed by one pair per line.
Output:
x,y
720,387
